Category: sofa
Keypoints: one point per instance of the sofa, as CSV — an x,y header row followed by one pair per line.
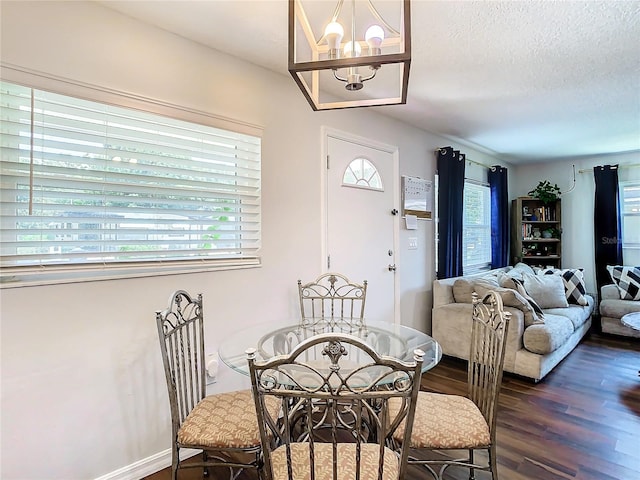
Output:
x,y
544,326
619,298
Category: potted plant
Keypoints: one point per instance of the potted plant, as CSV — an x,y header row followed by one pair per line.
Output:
x,y
551,232
545,192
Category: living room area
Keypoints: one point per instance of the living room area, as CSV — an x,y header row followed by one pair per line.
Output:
x,y
585,240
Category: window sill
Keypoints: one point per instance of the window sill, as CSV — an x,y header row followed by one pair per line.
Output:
x,y
15,278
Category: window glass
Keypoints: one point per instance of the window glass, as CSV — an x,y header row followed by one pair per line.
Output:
x,y
85,183
476,224
363,174
630,207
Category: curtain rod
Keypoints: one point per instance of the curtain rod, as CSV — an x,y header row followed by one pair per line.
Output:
x,y
629,165
469,160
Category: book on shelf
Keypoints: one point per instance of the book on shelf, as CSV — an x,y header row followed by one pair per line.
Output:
x,y
544,214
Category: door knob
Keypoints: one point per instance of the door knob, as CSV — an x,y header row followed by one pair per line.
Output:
x,y
392,268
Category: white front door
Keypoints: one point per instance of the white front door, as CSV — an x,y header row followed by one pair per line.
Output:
x,y
360,220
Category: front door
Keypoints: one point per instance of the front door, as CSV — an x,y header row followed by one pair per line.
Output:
x,y
361,187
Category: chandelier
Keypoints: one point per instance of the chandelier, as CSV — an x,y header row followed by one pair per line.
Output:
x,y
357,55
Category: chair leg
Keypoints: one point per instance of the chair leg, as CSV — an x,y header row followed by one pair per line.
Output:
x,y
206,473
472,472
175,460
493,464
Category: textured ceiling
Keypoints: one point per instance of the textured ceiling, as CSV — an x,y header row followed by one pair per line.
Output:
x,y
525,80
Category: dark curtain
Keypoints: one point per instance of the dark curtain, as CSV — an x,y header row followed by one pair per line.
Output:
x,y
499,217
606,220
450,165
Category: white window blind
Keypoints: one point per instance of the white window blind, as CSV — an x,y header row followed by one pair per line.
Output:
x,y
476,225
88,183
630,201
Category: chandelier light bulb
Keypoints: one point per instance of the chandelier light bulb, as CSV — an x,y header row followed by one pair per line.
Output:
x,y
350,51
374,37
333,34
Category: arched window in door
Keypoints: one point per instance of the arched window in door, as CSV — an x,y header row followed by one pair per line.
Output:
x,y
361,173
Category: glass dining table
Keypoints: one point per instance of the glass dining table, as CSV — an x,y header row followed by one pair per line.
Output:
x,y
278,338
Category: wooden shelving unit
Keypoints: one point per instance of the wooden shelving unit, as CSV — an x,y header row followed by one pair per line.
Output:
x,y
531,223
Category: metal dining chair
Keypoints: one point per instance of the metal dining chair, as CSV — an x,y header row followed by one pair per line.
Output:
x,y
452,422
335,423
223,426
332,297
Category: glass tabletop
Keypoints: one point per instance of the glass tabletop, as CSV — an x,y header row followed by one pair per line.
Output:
x,y
270,339
631,320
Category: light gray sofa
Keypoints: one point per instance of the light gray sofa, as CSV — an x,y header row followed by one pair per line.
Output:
x,y
532,349
613,308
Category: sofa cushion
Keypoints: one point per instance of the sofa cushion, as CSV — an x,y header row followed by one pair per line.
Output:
x,y
546,290
627,279
546,338
576,313
574,286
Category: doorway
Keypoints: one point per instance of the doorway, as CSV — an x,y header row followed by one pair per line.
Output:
x,y
361,218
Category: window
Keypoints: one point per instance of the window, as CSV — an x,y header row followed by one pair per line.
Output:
x,y
361,173
476,228
630,207
88,184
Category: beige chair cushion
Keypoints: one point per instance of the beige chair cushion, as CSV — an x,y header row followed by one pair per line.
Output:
x,y
445,422
225,420
323,455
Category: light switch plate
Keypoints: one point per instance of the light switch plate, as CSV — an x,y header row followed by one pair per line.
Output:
x,y
413,243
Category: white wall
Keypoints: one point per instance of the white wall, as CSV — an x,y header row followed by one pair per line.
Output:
x,y
577,205
83,393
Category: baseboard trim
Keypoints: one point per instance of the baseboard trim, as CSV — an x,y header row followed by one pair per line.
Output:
x,y
146,466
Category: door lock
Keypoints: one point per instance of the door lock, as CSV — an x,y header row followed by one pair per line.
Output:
x,y
392,268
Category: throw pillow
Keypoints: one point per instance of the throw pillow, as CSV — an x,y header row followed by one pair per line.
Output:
x,y
546,290
574,287
462,290
524,268
506,281
463,287
627,279
519,287
510,298
515,272
491,278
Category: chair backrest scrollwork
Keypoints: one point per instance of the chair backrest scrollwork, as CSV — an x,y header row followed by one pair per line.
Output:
x,y
334,296
335,409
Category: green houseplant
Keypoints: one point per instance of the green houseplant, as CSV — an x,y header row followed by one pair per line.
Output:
x,y
545,192
551,232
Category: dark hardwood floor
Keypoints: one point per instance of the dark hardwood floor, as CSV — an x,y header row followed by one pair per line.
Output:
x,y
581,422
